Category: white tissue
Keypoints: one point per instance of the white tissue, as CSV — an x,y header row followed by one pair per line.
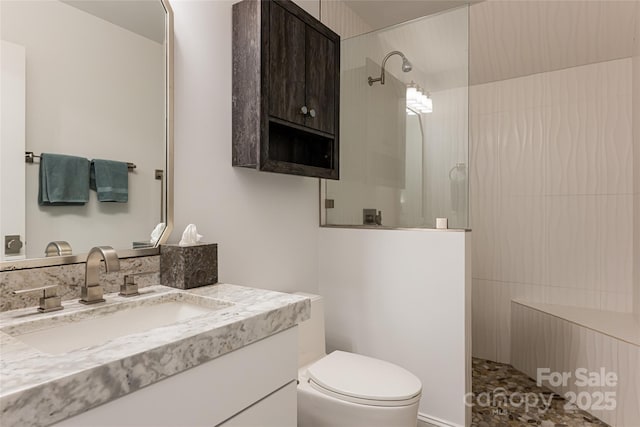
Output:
x,y
156,233
190,236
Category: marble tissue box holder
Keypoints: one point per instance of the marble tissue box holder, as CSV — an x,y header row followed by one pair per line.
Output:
x,y
186,267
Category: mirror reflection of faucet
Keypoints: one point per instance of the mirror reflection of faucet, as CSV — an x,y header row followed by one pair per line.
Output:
x,y
58,248
371,217
92,292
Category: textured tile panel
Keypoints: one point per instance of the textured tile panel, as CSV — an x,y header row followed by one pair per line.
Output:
x,y
545,341
512,39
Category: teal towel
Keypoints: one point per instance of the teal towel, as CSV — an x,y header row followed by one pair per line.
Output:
x,y
110,179
63,180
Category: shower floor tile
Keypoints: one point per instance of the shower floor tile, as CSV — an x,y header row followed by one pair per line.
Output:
x,y
499,395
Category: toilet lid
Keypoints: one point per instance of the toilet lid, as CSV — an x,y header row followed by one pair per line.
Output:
x,y
362,379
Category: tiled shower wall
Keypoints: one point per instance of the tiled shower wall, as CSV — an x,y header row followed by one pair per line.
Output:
x,y
551,194
554,173
636,165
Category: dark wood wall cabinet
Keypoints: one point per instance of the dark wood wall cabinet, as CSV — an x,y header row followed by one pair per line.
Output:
x,y
286,90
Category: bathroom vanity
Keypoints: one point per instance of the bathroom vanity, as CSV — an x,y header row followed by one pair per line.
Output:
x,y
216,355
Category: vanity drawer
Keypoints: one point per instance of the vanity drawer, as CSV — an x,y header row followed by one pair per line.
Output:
x,y
277,410
208,394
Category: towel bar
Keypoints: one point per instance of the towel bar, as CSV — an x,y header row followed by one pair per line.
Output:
x,y
29,156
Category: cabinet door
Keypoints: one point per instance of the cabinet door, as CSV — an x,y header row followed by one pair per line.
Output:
x,y
321,81
286,65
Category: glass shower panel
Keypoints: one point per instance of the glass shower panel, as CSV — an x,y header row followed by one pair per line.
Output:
x,y
403,159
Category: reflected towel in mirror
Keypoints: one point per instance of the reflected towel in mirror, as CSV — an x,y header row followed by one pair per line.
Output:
x,y
63,180
110,179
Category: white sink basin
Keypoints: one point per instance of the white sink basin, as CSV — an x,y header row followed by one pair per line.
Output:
x,y
103,323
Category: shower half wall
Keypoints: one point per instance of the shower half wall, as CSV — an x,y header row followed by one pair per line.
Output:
x,y
388,292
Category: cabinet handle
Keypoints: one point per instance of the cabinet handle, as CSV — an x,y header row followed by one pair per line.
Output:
x,y
304,110
312,113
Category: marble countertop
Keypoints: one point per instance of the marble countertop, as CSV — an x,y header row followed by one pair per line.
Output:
x,y
39,389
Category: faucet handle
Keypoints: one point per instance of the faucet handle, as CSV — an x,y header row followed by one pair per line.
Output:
x,y
50,301
130,287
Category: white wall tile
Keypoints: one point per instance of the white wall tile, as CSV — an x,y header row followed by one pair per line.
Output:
x,y
590,245
502,295
636,252
573,246
522,239
629,385
522,151
544,341
550,183
555,161
484,339
589,132
484,196
613,301
512,39
636,165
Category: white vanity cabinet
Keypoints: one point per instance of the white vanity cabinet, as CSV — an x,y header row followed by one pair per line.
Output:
x,y
252,386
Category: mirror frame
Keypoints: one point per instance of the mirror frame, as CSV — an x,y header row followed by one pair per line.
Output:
x,y
131,253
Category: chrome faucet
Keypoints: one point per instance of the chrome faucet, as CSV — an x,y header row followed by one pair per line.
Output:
x,y
92,292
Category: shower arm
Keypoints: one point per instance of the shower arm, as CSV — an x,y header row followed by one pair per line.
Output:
x,y
380,79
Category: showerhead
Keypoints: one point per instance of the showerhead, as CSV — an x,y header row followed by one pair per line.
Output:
x,y
406,67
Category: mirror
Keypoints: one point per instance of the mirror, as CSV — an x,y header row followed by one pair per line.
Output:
x,y
86,78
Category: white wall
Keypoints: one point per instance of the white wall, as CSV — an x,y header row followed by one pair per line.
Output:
x,y
552,167
266,224
267,229
12,126
403,296
67,112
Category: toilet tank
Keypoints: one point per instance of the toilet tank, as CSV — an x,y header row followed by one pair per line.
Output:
x,y
311,332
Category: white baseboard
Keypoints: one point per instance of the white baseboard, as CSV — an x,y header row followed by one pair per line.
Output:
x,y
429,421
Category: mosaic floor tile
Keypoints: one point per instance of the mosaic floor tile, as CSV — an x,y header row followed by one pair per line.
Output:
x,y
505,397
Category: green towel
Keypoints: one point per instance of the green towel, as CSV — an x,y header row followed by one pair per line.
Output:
x,y
63,180
110,179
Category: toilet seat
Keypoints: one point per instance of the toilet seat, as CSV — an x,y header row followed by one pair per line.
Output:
x,y
364,380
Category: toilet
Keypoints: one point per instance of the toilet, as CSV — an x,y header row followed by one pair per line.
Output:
x,y
350,390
